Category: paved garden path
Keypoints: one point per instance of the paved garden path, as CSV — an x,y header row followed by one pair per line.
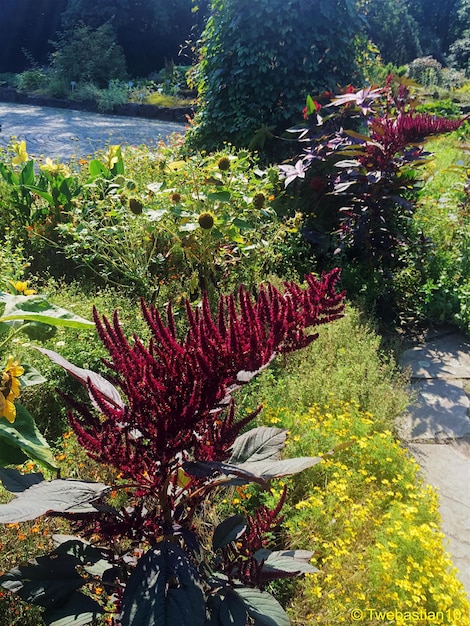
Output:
x,y
437,432
63,133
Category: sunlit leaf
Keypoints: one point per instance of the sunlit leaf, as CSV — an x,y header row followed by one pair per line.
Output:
x,y
38,309
56,496
106,389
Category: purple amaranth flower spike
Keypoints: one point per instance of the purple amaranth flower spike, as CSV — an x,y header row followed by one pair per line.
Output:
x,y
177,390
391,135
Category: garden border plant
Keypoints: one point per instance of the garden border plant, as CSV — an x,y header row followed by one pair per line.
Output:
x,y
173,442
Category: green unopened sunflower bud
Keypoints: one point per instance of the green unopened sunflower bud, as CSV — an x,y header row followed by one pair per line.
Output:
x,y
135,206
206,220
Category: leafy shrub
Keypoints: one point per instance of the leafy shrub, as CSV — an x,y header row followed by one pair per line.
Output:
x,y
258,58
114,95
89,56
426,71
32,80
446,108
362,182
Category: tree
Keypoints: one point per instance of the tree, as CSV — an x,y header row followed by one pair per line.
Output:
x,y
149,31
259,60
393,30
88,55
27,24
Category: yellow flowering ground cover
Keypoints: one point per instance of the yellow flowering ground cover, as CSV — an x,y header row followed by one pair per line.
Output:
x,y
373,523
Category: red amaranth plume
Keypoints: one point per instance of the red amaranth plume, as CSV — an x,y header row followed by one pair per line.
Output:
x,y
177,390
393,134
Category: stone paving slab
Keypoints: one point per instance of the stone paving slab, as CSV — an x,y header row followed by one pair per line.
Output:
x,y
446,357
440,412
447,469
437,429
66,133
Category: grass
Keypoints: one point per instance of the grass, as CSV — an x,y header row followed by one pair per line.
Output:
x,y
166,100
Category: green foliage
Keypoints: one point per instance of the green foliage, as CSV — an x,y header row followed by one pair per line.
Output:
x,y
391,27
438,287
257,59
87,55
446,108
32,315
32,80
426,71
153,234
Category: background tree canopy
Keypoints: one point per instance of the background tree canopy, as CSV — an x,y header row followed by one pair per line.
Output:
x,y
258,36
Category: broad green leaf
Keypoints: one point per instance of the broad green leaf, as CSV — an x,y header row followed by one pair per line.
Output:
x,y
295,561
262,607
78,610
16,482
106,389
38,309
42,193
37,331
31,376
164,590
45,581
269,469
227,531
242,224
56,496
96,168
10,455
26,177
232,610
258,444
219,196
24,434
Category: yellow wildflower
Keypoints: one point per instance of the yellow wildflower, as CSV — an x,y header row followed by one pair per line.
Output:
x,y
10,389
112,156
55,168
21,154
21,287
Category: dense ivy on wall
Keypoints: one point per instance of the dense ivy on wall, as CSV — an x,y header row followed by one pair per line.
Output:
x,y
259,59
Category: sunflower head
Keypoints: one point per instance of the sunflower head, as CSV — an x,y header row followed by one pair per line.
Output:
x,y
10,389
206,221
259,200
135,206
223,163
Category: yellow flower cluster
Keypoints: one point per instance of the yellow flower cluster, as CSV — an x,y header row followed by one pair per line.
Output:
x,y
20,287
374,527
10,389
